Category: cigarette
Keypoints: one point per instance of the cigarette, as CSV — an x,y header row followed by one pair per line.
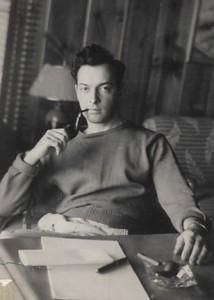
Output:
x,y
147,259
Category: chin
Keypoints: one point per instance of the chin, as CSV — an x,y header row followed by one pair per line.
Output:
x,y
96,120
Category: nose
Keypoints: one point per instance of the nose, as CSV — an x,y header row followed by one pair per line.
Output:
x,y
94,98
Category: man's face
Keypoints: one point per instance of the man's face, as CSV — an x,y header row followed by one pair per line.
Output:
x,y
97,92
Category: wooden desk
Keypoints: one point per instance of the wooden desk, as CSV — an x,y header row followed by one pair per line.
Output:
x,y
157,246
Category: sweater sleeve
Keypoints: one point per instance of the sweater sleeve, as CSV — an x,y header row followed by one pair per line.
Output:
x,y
173,193
15,187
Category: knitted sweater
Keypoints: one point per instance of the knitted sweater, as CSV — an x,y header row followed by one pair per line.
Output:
x,y
108,177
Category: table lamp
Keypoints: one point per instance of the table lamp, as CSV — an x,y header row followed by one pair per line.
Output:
x,y
55,83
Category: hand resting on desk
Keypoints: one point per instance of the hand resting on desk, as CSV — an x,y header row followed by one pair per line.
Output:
x,y
191,246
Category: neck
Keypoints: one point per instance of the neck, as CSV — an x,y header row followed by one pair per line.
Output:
x,y
99,127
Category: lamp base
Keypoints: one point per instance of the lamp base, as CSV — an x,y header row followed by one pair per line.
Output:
x,y
56,118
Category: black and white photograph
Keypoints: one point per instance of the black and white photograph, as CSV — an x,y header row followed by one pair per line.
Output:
x,y
106,149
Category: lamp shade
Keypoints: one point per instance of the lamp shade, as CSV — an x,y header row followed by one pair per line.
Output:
x,y
55,83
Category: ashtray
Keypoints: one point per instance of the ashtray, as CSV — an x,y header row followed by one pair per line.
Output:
x,y
168,274
172,275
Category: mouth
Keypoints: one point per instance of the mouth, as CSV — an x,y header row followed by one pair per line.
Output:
x,y
94,110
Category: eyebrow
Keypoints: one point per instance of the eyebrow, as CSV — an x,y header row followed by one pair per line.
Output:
x,y
102,83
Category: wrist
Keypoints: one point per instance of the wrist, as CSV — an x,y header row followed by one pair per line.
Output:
x,y
30,159
197,228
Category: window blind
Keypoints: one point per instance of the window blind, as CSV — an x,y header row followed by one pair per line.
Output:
x,y
4,18
23,58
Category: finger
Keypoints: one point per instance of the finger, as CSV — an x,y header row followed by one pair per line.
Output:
x,y
196,250
59,143
203,256
187,250
61,133
55,145
62,139
179,245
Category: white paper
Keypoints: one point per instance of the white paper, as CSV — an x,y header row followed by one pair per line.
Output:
x,y
57,257
81,281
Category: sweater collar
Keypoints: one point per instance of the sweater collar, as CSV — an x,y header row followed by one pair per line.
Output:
x,y
102,133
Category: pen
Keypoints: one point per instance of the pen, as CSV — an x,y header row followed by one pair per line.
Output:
x,y
111,266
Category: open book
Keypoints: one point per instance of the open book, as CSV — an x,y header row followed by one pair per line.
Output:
x,y
72,270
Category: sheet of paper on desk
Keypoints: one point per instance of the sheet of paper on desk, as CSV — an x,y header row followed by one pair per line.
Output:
x,y
56,257
81,280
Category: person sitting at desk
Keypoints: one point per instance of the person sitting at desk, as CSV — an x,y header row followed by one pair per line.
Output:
x,y
107,176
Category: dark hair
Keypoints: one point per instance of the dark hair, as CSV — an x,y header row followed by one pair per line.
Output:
x,y
94,55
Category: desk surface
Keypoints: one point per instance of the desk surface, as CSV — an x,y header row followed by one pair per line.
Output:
x,y
158,246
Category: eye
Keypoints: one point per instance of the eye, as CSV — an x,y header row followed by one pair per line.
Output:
x,y
106,88
84,88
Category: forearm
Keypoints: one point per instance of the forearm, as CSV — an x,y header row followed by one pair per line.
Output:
x,y
15,187
178,202
174,194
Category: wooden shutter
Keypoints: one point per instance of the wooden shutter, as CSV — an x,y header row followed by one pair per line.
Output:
x,y
25,45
